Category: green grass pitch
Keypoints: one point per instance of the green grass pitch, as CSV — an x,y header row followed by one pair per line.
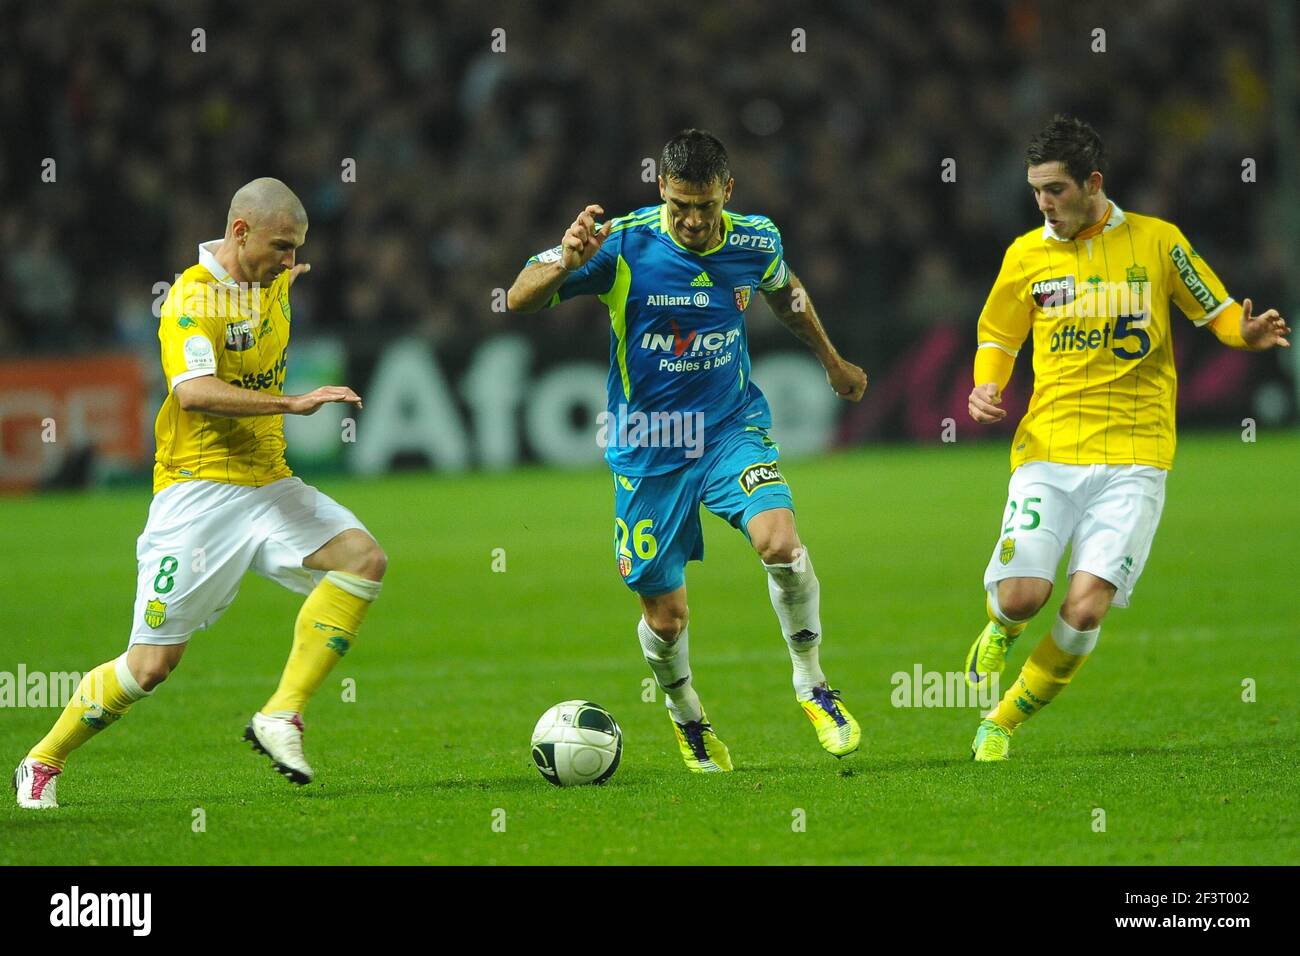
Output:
x,y
456,662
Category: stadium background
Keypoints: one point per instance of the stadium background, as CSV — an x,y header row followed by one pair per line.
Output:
x,y
470,158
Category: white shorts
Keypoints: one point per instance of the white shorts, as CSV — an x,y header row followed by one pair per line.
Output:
x,y
202,536
1108,514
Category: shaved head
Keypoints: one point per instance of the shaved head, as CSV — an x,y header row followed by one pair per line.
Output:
x,y
264,228
265,201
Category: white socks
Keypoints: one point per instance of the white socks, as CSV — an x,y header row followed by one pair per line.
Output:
x,y
1000,614
796,598
671,666
1073,641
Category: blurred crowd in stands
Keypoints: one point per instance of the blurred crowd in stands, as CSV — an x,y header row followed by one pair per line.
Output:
x,y
479,129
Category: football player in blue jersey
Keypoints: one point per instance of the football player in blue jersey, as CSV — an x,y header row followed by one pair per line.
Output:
x,y
686,426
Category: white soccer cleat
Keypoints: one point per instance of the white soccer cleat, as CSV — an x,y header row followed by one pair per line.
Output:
x,y
279,736
35,783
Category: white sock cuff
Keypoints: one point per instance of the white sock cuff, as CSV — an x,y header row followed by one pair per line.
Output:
x,y
653,644
1072,641
800,563
355,585
997,609
128,681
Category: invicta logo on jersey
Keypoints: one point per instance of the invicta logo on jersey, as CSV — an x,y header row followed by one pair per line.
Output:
x,y
691,343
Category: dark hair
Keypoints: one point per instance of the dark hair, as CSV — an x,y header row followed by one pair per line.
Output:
x,y
695,156
1070,141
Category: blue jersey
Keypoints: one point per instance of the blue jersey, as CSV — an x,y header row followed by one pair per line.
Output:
x,y
678,356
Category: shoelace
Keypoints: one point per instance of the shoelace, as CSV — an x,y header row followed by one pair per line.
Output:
x,y
42,776
693,731
827,698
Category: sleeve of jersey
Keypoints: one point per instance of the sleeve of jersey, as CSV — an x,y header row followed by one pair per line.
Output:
x,y
594,278
776,275
1003,325
190,338
1195,289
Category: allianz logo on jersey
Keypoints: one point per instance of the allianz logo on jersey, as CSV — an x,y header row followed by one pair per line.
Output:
x,y
699,300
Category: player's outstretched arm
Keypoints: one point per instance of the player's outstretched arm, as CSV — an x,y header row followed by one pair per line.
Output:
x,y
539,281
209,395
794,308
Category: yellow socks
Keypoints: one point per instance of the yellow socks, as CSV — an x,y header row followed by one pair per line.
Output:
x,y
326,626
1051,666
1013,628
104,695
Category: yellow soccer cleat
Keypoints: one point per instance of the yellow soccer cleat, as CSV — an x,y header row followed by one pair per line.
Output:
x,y
837,731
701,749
988,655
991,742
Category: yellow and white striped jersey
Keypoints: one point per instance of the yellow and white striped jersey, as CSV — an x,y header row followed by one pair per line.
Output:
x,y
1098,306
211,325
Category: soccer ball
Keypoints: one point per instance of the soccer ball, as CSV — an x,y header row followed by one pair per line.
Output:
x,y
577,742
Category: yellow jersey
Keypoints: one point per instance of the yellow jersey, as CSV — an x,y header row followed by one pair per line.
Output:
x,y
1104,380
211,325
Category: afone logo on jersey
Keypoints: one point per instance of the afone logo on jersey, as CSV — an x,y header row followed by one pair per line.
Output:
x,y
1060,299
1053,292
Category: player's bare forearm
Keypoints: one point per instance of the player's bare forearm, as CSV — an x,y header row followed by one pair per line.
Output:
x,y
535,286
208,395
795,309
792,305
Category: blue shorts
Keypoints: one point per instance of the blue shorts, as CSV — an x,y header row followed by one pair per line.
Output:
x,y
657,519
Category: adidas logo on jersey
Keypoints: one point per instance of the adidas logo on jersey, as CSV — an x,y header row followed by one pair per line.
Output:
x,y
702,280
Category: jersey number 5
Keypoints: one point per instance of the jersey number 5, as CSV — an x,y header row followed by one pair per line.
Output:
x,y
1125,328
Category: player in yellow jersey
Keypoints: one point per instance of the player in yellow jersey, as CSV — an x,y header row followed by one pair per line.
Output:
x,y
224,499
1091,454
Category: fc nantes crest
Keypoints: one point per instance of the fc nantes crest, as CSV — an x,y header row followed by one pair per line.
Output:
x,y
155,612
1008,550
741,292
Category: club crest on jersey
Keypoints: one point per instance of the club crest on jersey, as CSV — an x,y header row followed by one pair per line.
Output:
x,y
741,292
239,336
756,476
624,565
1050,293
155,612
1007,551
